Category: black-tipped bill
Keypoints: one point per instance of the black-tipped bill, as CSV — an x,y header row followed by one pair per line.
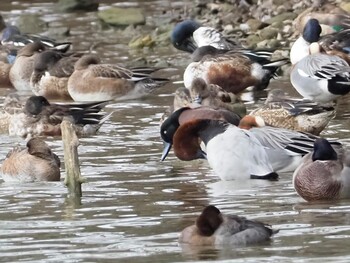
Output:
x,y
166,150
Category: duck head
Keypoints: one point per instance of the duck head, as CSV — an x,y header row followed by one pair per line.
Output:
x,y
35,104
209,221
323,151
181,37
187,146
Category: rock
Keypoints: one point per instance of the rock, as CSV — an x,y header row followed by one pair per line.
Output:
x,y
345,6
282,17
252,25
122,16
31,23
77,5
252,41
268,33
141,42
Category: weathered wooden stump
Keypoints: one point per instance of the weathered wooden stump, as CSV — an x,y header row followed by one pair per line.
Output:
x,y
70,140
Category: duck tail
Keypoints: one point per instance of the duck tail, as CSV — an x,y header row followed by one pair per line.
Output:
x,y
272,66
90,129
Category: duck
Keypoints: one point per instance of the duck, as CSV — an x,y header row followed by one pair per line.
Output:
x,y
22,68
92,81
213,228
282,111
252,150
182,98
321,77
34,163
214,96
285,148
51,72
332,18
337,43
233,71
324,173
240,158
188,35
195,111
41,118
14,39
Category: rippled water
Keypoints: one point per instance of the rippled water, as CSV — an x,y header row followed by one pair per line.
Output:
x,y
134,206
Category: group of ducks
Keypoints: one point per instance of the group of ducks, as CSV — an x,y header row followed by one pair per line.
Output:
x,y
207,120
280,136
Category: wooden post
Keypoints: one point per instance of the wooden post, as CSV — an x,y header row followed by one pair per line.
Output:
x,y
70,140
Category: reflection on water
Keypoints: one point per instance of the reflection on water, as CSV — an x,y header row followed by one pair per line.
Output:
x,y
134,206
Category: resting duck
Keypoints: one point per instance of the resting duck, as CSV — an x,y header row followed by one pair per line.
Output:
x,y
36,162
216,229
324,173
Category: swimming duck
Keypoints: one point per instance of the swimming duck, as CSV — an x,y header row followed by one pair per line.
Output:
x,y
14,39
52,70
324,173
92,81
39,117
233,153
22,68
214,228
36,162
188,35
216,97
280,110
233,71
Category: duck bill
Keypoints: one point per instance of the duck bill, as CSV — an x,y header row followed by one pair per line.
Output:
x,y
197,99
189,46
166,149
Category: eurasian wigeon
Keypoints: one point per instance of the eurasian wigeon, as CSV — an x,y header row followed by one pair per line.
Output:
x,y
22,68
324,173
233,71
39,117
281,110
212,228
188,35
36,162
51,72
93,81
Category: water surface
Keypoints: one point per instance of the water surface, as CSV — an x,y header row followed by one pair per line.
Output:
x,y
134,206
